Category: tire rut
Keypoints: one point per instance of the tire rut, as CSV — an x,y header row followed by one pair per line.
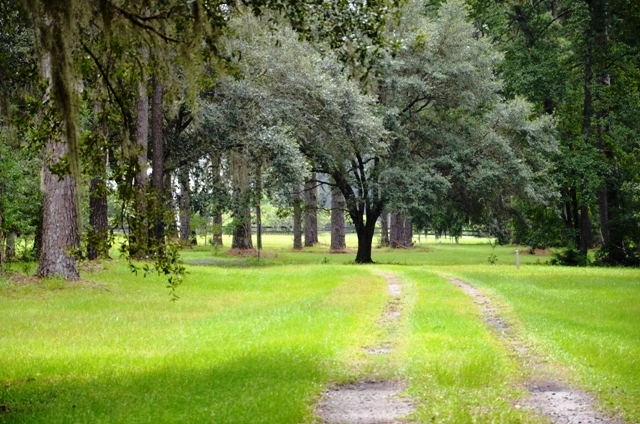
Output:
x,y
548,395
370,402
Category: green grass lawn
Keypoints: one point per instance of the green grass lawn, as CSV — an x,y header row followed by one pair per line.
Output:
x,y
259,342
586,319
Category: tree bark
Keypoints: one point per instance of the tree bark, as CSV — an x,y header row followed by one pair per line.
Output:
x,y
258,207
98,243
185,207
141,224
384,229
11,246
242,230
585,229
337,220
60,215
172,225
217,229
98,220
60,218
216,166
365,231
1,236
603,211
401,231
310,212
242,202
297,219
157,162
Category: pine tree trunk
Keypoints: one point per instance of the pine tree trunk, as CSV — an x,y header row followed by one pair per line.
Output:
x,y
185,207
242,202
337,220
98,220
310,213
408,232
157,162
297,219
1,237
585,230
217,229
37,238
98,244
60,215
217,184
11,246
603,211
60,218
258,207
172,225
384,229
396,228
401,231
141,225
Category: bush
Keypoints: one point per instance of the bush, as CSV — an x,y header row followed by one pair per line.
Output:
x,y
570,257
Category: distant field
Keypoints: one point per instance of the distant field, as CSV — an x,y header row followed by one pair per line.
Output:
x,y
258,341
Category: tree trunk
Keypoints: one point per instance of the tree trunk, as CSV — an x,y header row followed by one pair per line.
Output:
x,y
337,220
172,225
384,227
11,246
242,202
157,162
37,238
310,212
98,243
365,233
258,208
401,231
98,246
575,209
1,237
185,207
585,229
141,223
60,214
242,230
297,219
217,229
603,211
60,218
217,184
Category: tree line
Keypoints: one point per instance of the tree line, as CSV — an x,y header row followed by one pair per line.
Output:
x,y
514,117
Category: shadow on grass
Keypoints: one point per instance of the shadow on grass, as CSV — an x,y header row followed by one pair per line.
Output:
x,y
267,388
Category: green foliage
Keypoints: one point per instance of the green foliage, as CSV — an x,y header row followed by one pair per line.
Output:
x,y
493,258
573,60
461,155
569,257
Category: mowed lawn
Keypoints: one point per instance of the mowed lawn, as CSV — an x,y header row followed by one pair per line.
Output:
x,y
587,319
241,346
257,343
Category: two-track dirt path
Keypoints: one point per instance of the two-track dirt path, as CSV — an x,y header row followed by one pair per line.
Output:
x,y
370,402
548,394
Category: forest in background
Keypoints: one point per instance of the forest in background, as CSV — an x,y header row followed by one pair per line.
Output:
x,y
516,118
